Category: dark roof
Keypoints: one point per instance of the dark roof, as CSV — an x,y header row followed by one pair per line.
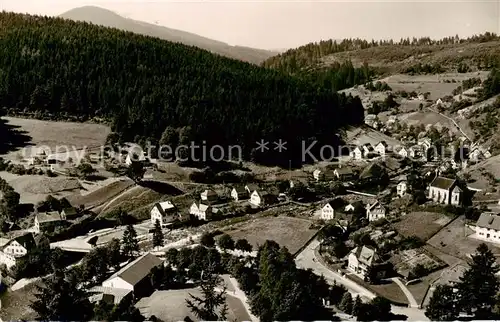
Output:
x,y
137,270
368,146
372,170
489,220
26,240
209,192
50,216
70,212
383,143
443,183
252,186
240,190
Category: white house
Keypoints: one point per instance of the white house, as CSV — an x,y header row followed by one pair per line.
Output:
x,y
131,275
361,259
343,173
209,195
488,227
375,211
381,148
165,212
201,211
260,198
320,175
439,102
135,157
356,154
239,193
11,250
327,212
445,191
402,188
403,152
46,220
354,206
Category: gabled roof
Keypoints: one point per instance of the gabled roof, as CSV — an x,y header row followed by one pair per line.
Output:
x,y
368,146
383,143
138,269
209,192
71,211
457,189
489,220
51,216
203,207
165,208
331,203
344,171
252,186
240,190
25,240
366,255
443,183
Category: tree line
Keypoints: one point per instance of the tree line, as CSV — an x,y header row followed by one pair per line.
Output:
x,y
60,69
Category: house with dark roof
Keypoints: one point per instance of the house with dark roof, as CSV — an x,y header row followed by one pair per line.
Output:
x,y
488,227
69,213
47,221
11,250
261,198
239,193
344,173
375,211
444,190
201,211
209,195
367,149
251,187
134,276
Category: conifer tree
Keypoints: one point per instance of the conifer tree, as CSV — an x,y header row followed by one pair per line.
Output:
x,y
129,241
157,235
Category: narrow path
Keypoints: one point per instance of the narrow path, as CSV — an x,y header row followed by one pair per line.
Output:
x,y
239,294
454,122
107,204
409,296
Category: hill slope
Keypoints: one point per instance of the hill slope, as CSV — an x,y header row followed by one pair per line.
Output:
x,y
393,57
107,18
153,89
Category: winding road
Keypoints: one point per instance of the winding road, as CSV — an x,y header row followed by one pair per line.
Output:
x,y
307,260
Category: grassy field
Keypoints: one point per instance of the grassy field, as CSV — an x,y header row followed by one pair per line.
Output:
x,y
290,232
54,134
101,195
390,291
15,304
421,224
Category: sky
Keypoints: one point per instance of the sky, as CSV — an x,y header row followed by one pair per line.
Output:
x,y
281,24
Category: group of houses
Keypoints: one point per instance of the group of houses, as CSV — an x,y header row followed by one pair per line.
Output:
x,y
382,148
167,213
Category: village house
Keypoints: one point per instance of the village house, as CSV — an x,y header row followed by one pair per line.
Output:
x,y
344,173
367,149
488,227
261,198
138,157
356,154
381,148
425,143
371,120
323,175
11,250
354,206
69,213
201,211
361,259
445,191
297,182
239,193
165,212
251,187
132,280
403,152
327,212
402,188
47,221
209,195
375,211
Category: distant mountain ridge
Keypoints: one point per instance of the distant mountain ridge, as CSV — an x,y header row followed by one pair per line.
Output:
x,y
108,18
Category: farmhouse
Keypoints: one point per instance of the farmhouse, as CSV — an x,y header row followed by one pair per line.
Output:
x,y
356,154
401,188
488,227
445,191
239,193
403,152
48,221
328,212
201,211
11,250
381,148
69,213
134,276
367,149
344,173
261,198
165,212
361,259
375,211
209,195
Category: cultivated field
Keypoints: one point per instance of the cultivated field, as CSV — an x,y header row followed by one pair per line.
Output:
x,y
421,224
290,232
100,195
454,240
34,188
52,134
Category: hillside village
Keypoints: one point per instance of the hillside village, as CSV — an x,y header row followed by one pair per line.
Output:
x,y
386,229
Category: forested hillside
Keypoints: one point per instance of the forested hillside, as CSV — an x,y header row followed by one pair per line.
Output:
x,y
142,85
479,51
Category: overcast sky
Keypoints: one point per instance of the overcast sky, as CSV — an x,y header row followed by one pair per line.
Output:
x,y
285,24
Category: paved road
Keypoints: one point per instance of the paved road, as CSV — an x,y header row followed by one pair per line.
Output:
x,y
409,296
307,259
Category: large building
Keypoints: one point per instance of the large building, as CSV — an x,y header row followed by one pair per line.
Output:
x,y
488,227
445,191
11,250
165,212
